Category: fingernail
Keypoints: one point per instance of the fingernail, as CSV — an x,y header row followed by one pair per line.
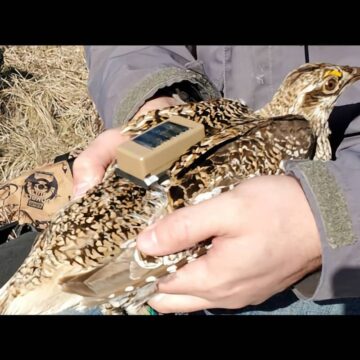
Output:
x,y
81,189
148,240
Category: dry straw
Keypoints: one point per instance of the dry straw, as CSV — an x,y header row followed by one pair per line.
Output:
x,y
45,109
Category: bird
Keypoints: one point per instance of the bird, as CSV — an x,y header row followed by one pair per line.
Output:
x,y
88,257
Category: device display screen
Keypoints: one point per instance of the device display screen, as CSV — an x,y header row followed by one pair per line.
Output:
x,y
159,134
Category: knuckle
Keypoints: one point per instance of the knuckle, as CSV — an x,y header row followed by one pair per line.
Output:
x,y
175,230
80,163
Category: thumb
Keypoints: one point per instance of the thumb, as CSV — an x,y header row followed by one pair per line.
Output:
x,y
182,229
89,167
87,173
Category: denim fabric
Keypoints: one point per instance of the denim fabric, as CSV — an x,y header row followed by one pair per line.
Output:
x,y
286,303
92,311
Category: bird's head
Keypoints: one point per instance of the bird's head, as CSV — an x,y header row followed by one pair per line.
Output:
x,y
311,91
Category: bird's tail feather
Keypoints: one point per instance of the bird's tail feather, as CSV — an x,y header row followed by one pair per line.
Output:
x,y
46,299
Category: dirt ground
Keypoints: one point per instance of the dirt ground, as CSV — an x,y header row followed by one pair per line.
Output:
x,y
45,109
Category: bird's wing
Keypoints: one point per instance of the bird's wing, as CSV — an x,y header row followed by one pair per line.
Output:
x,y
130,278
214,114
259,151
210,144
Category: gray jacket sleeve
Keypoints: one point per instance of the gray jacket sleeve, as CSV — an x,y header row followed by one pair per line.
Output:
x,y
122,78
333,191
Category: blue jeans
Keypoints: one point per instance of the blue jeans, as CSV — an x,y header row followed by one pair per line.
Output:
x,y
286,303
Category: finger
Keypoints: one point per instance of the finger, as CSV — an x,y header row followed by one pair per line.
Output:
x,y
192,279
157,103
90,166
88,174
166,303
184,228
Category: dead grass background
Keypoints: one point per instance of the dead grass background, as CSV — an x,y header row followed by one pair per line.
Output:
x,y
45,109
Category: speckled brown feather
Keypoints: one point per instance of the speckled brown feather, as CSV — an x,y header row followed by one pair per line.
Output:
x,y
257,151
88,255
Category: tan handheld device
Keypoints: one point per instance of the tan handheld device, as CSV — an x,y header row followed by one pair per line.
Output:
x,y
146,157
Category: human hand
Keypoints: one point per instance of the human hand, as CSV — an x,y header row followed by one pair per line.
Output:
x,y
90,166
264,240
157,103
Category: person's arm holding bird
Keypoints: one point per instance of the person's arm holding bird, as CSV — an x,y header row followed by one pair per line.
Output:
x,y
128,81
266,238
295,217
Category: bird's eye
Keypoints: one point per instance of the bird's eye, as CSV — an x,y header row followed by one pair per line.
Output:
x,y
331,84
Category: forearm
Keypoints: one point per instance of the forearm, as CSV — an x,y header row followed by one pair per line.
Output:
x,y
122,78
333,191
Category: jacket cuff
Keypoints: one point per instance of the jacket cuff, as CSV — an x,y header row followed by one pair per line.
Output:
x,y
333,220
150,85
